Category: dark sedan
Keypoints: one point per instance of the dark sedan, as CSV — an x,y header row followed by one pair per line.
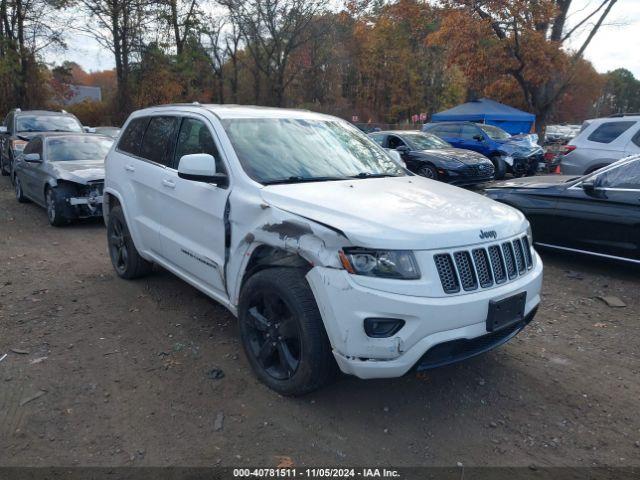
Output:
x,y
432,157
596,214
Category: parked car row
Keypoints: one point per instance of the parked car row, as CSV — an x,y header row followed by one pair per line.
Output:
x,y
55,163
519,155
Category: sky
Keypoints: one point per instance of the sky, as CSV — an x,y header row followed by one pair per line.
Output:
x,y
616,45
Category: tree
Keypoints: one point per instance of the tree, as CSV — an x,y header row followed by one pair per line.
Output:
x,y
183,17
26,28
118,25
621,93
273,31
521,39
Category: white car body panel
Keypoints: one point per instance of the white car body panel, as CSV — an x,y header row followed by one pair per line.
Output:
x,y
182,227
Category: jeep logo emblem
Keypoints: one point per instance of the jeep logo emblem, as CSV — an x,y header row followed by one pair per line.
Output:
x,y
484,234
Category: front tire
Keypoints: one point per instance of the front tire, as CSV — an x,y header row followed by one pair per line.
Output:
x,y
499,167
58,210
428,171
5,172
282,332
125,258
19,193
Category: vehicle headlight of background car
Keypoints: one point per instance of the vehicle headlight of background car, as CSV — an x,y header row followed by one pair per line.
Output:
x,y
400,264
18,145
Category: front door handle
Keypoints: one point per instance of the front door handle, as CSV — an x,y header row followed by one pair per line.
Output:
x,y
169,183
129,168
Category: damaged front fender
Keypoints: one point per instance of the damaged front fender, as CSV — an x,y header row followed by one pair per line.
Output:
x,y
273,227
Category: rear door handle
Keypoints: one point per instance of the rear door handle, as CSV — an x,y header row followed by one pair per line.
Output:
x,y
168,183
129,168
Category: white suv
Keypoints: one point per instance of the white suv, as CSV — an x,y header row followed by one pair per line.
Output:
x,y
328,252
601,142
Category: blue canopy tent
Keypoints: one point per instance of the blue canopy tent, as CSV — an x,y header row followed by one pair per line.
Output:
x,y
491,112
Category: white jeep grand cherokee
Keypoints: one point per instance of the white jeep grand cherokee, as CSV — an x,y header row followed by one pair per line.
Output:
x,y
327,251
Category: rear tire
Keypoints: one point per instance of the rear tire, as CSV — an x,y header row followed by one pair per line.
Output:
x,y
125,258
499,167
282,332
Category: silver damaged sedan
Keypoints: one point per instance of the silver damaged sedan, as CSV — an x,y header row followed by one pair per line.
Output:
x,y
63,173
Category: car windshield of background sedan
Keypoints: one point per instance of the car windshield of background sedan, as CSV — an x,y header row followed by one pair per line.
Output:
x,y
494,133
47,123
78,148
425,141
277,150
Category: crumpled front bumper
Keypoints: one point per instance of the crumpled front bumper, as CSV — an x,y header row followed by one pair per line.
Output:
x,y
429,321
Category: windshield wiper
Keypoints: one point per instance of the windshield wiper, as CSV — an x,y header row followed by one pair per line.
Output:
x,y
373,175
298,179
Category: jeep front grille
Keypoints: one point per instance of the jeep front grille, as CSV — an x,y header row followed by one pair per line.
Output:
x,y
483,267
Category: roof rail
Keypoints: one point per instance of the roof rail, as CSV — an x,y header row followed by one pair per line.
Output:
x,y
627,114
63,111
196,103
18,110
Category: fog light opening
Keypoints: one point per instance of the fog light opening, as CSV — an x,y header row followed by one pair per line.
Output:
x,y
382,327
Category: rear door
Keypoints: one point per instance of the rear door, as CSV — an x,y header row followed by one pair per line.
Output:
x,y
605,220
138,180
193,229
633,147
449,132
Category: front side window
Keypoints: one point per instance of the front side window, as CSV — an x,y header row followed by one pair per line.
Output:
x,y
626,175
275,150
157,138
425,141
608,132
195,137
34,146
494,133
636,139
131,139
47,123
77,148
395,142
468,132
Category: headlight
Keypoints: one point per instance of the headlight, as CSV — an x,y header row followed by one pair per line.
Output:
x,y
18,145
399,264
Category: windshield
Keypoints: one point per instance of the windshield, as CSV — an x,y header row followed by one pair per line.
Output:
x,y
77,148
47,123
494,133
282,150
425,141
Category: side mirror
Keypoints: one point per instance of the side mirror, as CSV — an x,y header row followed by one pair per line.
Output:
x,y
89,129
479,138
403,149
589,185
32,158
3,129
201,167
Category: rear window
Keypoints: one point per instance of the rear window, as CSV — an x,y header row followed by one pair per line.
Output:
x,y
47,123
608,132
131,139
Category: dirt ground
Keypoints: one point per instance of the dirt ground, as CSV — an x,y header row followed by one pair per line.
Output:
x,y
124,374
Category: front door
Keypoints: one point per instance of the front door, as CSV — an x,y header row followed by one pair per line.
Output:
x,y
604,219
193,233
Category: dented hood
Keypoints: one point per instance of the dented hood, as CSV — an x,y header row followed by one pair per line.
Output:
x,y
398,213
79,171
